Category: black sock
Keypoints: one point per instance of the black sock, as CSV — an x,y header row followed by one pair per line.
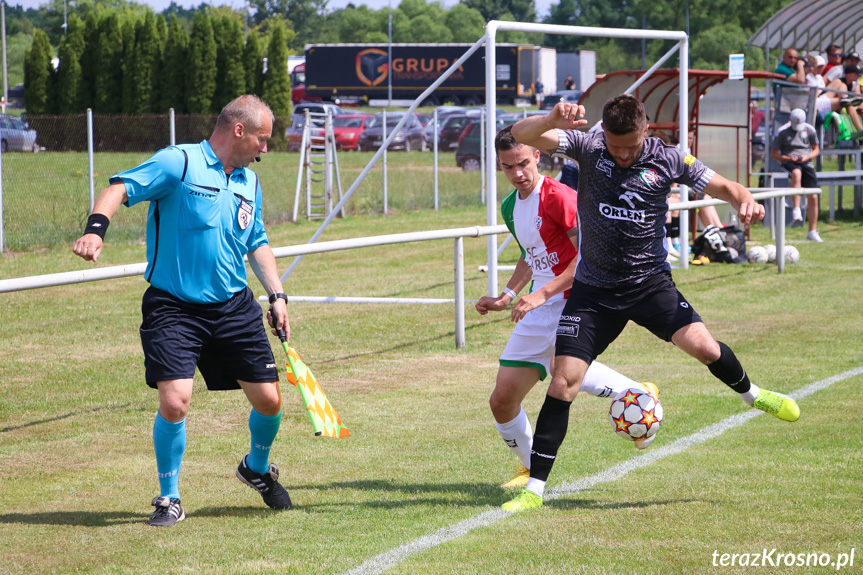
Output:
x,y
551,426
729,371
672,228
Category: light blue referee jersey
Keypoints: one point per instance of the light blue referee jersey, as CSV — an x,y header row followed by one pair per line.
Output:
x,y
201,221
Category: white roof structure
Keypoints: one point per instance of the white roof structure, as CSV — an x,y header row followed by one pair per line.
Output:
x,y
812,25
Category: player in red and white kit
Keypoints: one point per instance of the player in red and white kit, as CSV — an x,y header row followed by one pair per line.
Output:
x,y
541,214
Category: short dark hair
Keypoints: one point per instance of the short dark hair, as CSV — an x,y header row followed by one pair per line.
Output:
x,y
624,114
504,140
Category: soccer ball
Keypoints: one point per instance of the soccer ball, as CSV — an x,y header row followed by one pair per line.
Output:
x,y
757,255
771,253
635,414
792,256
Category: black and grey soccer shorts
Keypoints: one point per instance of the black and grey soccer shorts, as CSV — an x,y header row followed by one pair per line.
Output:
x,y
593,317
226,341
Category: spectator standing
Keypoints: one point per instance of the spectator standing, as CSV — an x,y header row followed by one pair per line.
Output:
x,y
539,87
795,145
569,83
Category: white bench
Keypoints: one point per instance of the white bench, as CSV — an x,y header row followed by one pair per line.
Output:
x,y
831,180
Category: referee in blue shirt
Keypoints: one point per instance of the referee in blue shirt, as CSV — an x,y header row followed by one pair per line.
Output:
x,y
204,216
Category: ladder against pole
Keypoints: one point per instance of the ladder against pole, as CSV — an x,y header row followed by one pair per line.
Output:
x,y
316,165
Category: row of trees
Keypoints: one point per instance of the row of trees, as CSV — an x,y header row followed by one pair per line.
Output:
x,y
132,61
141,65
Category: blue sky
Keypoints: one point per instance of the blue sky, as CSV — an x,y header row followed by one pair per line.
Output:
x,y
542,6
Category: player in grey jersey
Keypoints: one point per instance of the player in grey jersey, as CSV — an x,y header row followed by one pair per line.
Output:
x,y
622,273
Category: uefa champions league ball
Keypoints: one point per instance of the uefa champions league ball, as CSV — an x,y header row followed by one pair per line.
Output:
x,y
635,414
771,253
792,256
756,255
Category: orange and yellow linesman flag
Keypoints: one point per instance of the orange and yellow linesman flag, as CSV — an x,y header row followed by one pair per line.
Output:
x,y
324,418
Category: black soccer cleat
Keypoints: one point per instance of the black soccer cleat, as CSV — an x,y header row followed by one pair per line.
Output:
x,y
168,512
267,485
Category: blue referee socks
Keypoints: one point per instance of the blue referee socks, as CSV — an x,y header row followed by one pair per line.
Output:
x,y
264,429
169,441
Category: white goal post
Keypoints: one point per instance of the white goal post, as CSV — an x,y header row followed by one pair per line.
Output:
x,y
490,167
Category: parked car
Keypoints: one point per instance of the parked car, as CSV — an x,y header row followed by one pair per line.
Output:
x,y
451,130
294,132
467,156
316,108
443,112
347,129
410,137
568,96
16,136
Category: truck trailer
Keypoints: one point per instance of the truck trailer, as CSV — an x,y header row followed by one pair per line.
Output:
x,y
345,73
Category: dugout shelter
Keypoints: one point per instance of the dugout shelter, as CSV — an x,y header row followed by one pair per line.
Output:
x,y
719,112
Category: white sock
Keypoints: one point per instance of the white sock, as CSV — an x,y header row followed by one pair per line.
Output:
x,y
536,486
518,435
602,381
749,396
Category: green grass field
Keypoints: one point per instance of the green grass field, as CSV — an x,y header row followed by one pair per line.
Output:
x,y
78,471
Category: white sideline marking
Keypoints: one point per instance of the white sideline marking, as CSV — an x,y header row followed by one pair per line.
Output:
x,y
389,559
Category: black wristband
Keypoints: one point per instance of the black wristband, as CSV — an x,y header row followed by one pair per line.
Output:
x,y
97,224
275,296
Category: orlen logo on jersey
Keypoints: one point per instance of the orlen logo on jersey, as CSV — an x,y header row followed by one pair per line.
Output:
x,y
614,213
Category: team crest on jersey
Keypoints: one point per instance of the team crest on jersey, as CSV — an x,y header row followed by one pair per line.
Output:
x,y
537,221
604,165
244,214
649,177
688,159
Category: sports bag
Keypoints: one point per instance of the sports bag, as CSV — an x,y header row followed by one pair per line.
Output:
x,y
727,245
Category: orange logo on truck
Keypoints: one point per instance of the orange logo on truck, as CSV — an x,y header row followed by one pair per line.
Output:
x,y
372,66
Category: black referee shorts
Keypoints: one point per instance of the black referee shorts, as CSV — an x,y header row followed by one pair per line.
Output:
x,y
594,317
226,341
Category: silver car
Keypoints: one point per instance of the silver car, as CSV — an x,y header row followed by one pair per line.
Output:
x,y
16,136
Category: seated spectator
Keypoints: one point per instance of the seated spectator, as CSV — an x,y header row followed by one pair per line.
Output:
x,y
849,59
795,144
850,82
792,67
826,102
834,58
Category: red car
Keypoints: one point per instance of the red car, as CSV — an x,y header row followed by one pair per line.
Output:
x,y
347,129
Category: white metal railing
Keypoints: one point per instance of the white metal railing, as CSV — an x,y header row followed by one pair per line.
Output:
x,y
458,234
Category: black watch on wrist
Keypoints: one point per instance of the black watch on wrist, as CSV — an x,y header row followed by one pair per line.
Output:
x,y
275,296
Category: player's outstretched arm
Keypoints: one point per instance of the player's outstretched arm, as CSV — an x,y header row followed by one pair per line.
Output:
x,y
520,278
89,245
748,210
538,131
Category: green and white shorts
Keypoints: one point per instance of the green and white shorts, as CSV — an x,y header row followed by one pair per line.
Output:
x,y
532,341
